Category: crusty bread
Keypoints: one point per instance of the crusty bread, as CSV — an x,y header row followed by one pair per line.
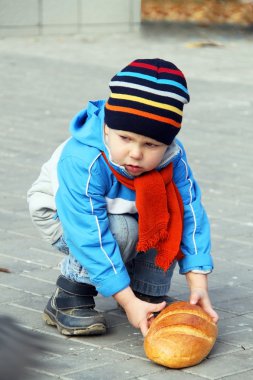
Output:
x,y
182,335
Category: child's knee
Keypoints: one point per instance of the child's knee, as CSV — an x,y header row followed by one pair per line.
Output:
x,y
125,231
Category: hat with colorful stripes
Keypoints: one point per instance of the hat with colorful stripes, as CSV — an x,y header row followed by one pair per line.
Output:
x,y
147,98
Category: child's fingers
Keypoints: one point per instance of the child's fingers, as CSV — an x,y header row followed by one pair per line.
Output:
x,y
212,314
158,307
144,326
194,298
205,304
146,323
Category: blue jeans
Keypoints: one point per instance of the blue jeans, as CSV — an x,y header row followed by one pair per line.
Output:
x,y
145,277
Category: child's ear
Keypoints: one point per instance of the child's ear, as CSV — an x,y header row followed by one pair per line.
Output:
x,y
106,130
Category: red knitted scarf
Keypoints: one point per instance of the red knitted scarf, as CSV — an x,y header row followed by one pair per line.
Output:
x,y
160,210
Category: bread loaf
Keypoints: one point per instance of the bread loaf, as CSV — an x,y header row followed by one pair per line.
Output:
x,y
182,335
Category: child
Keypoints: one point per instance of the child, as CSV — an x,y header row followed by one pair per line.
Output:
x,y
120,200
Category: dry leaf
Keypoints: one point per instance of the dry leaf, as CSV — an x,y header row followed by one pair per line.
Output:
x,y
5,270
201,44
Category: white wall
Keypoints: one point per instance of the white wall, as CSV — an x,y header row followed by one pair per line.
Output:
x,y
34,17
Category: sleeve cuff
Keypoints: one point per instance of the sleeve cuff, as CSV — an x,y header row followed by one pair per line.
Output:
x,y
113,284
195,263
201,271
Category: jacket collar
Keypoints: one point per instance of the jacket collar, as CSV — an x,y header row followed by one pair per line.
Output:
x,y
172,151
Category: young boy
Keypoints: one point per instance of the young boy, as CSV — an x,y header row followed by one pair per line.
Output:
x,y
120,200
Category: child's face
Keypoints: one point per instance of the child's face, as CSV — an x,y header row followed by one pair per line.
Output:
x,y
137,153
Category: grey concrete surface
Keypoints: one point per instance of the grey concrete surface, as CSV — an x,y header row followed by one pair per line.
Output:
x,y
43,83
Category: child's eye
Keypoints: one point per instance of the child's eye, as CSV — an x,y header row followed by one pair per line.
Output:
x,y
125,138
150,145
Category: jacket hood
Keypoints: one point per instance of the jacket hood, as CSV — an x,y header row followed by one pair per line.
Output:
x,y
87,125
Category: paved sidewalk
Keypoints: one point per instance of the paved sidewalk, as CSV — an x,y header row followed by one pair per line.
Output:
x,y
43,83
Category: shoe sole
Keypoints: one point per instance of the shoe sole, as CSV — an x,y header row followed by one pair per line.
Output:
x,y
96,329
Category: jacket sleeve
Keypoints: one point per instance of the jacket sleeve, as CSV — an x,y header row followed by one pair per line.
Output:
x,y
82,210
196,240
41,199
42,208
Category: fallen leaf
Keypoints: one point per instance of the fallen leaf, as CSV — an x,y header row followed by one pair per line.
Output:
x,y
5,270
201,44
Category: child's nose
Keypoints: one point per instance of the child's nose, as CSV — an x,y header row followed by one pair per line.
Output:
x,y
136,152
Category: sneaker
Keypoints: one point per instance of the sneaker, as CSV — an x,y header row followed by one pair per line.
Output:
x,y
71,309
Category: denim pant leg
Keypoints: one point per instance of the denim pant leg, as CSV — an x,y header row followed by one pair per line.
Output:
x,y
125,231
147,278
69,266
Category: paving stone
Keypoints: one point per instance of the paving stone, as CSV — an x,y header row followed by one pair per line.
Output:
x,y
225,365
220,348
242,339
18,296
242,305
129,368
245,375
14,281
170,374
86,360
117,333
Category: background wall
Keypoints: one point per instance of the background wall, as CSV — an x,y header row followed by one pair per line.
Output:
x,y
34,17
204,12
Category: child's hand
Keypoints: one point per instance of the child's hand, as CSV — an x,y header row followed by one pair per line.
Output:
x,y
200,297
139,313
199,293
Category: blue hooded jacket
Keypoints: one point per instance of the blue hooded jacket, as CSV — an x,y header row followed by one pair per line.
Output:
x,y
88,191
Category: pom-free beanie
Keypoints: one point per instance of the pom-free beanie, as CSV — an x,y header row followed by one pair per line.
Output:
x,y
147,98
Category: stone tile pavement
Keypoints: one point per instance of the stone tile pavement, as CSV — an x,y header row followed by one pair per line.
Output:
x,y
43,83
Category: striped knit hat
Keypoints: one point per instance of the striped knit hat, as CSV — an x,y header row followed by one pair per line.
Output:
x,y
147,98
